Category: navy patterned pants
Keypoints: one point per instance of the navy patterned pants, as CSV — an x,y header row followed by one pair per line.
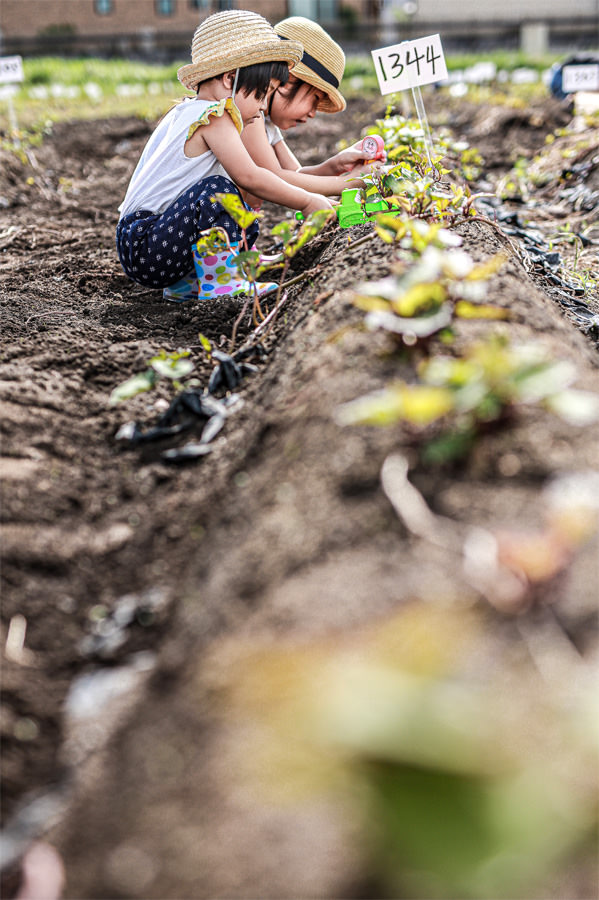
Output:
x,y
155,249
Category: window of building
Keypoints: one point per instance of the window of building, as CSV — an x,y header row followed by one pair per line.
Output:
x,y
165,7
200,4
327,11
103,7
317,10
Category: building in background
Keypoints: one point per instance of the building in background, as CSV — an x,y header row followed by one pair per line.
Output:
x,y
161,29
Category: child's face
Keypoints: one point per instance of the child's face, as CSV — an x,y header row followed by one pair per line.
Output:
x,y
250,107
287,113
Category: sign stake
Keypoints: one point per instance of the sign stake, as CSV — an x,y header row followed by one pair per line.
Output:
x,y
12,117
11,73
421,112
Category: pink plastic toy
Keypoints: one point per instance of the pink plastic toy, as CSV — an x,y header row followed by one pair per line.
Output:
x,y
374,146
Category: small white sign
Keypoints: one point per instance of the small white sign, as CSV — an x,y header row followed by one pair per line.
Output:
x,y
410,64
580,78
11,69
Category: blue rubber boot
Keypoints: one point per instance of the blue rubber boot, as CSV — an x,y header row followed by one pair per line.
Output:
x,y
183,290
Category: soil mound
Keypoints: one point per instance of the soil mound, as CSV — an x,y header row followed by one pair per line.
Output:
x,y
282,531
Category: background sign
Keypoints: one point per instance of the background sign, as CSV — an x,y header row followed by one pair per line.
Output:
x,y
410,64
584,77
11,69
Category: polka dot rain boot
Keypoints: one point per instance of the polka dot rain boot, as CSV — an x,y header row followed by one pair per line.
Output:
x,y
217,276
184,289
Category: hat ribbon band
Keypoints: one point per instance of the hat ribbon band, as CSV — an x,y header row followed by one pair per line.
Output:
x,y
317,67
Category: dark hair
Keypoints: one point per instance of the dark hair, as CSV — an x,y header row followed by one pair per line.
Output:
x,y
294,89
255,79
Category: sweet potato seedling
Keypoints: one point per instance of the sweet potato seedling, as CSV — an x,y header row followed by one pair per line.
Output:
x,y
175,366
433,282
464,394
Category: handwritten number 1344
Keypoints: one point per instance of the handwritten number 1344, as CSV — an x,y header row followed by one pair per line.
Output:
x,y
412,58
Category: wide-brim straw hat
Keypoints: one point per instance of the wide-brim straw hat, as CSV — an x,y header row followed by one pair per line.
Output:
x,y
323,62
233,39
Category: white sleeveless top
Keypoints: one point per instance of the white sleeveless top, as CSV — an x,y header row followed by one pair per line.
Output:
x,y
273,132
164,172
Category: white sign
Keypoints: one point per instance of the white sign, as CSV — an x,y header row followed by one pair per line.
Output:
x,y
580,78
11,69
410,64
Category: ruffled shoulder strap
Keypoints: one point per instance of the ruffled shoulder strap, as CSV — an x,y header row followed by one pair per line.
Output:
x,y
218,108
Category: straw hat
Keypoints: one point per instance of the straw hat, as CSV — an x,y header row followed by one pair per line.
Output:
x,y
232,39
323,62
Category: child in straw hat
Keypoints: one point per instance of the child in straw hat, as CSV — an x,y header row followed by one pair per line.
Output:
x,y
313,86
196,152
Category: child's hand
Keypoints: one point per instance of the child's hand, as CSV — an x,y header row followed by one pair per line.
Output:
x,y
316,202
252,201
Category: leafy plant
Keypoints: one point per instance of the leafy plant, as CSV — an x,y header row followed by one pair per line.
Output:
x,y
580,264
239,212
174,366
404,142
459,789
491,380
516,184
419,193
252,265
421,298
471,161
295,238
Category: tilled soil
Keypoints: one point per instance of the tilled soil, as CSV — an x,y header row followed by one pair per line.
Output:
x,y
282,531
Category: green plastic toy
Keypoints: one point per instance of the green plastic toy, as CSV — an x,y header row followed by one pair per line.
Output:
x,y
355,206
352,211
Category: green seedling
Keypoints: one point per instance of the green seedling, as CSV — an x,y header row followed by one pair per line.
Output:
x,y
415,235
254,264
414,184
212,241
295,238
517,183
422,195
244,217
174,366
410,185
466,394
404,143
420,298
579,263
459,790
246,260
206,345
251,264
471,162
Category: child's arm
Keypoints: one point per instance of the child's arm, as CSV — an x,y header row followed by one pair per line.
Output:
x,y
280,160
224,140
352,159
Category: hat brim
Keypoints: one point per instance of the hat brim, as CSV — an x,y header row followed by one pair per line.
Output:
x,y
271,51
334,100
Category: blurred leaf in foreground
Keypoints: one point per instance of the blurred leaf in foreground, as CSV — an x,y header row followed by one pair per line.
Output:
x,y
470,776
